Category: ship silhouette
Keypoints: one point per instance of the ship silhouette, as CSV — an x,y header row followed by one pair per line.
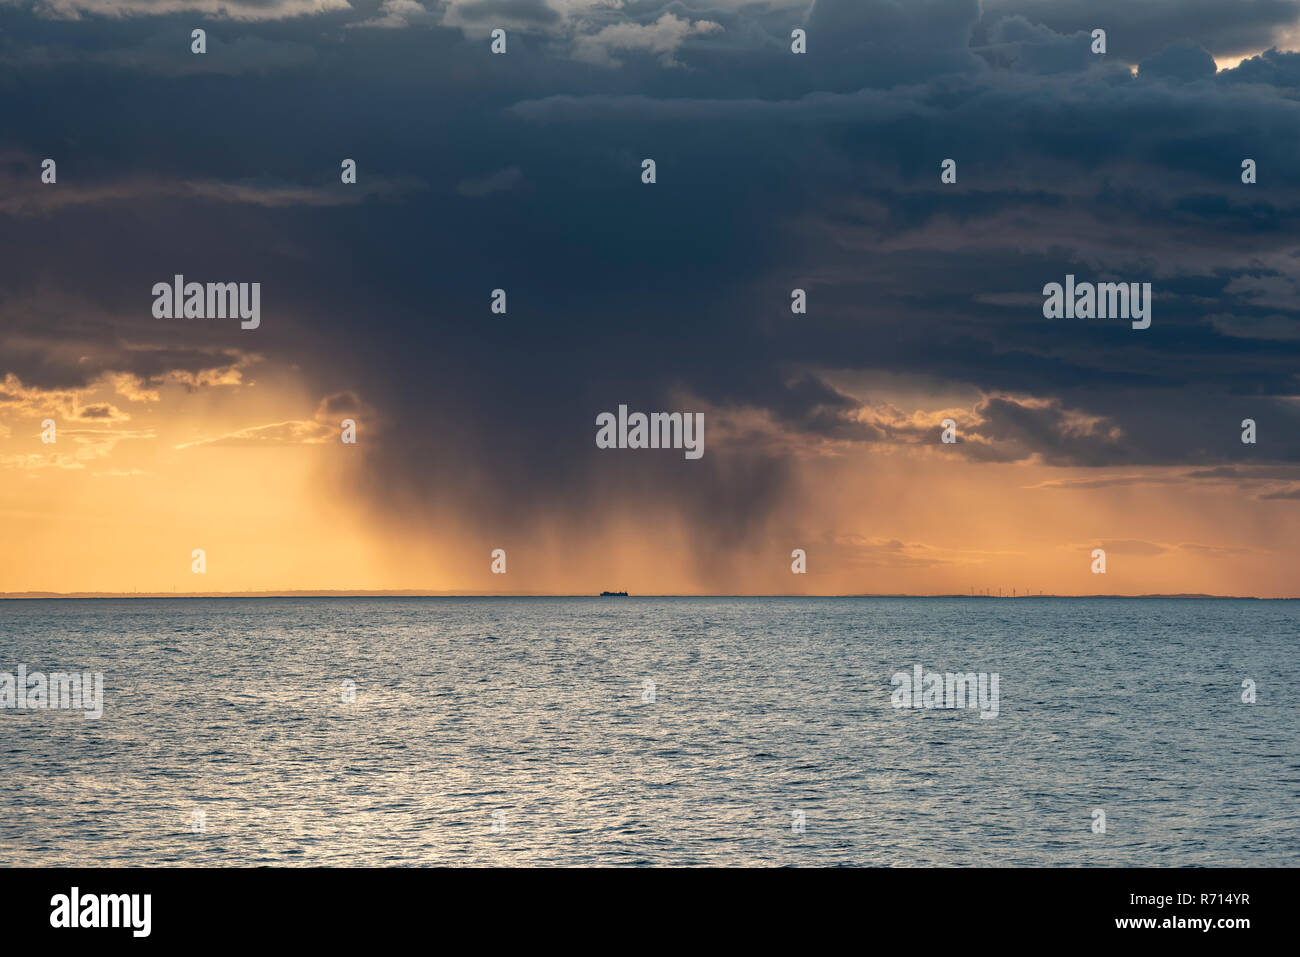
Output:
x,y
613,594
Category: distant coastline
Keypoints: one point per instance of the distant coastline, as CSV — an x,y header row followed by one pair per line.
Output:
x,y
425,593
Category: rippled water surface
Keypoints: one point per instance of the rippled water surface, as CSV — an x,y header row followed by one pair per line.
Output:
x,y
515,731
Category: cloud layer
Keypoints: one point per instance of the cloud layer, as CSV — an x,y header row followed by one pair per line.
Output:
x,y
775,171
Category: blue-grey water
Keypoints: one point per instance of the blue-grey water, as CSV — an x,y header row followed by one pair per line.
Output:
x,y
521,731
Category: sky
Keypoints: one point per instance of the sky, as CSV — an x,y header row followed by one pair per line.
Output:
x,y
774,171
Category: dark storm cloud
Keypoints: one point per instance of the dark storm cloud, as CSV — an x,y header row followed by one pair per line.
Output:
x,y
342,403
1292,493
1184,61
775,171
1136,30
502,179
1015,43
76,364
240,10
1270,68
808,405
495,11
875,41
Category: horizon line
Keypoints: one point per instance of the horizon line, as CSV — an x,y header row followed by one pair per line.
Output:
x,y
428,593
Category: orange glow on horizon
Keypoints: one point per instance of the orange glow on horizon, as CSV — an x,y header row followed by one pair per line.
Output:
x,y
244,471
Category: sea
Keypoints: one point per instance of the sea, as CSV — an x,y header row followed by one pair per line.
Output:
x,y
655,731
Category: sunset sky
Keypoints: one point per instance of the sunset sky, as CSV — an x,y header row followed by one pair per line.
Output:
x,y
775,171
